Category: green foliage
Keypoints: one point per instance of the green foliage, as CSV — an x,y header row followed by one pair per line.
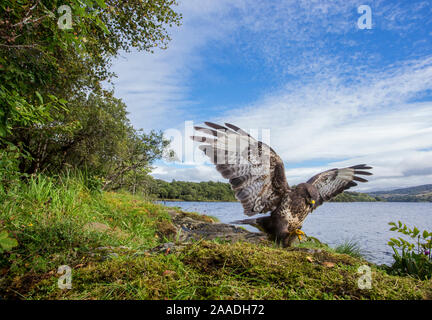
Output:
x,y
60,220
414,258
53,108
9,170
42,65
6,243
56,118
191,191
94,137
131,172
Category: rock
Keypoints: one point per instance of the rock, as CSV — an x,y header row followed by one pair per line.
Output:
x,y
188,227
104,248
164,247
196,227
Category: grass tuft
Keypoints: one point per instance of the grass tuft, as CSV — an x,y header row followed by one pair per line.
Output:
x,y
350,247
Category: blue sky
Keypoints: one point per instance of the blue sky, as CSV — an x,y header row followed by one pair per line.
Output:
x,y
331,94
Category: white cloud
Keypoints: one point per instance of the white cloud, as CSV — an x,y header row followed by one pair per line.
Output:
x,y
374,121
195,174
290,35
368,117
155,86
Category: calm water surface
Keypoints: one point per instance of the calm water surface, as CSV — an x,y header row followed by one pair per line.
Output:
x,y
333,223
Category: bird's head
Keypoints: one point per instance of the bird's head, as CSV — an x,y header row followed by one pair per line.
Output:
x,y
310,193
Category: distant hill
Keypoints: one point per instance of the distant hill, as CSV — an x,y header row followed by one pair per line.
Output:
x,y
421,193
349,196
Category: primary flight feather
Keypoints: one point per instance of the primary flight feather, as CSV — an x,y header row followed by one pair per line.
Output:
x,y
257,176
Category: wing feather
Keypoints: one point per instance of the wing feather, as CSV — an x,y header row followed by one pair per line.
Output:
x,y
334,181
256,173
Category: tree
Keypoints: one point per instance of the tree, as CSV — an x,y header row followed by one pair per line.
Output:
x,y
53,107
132,167
95,136
42,65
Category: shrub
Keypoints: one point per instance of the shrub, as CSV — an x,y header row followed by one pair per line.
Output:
x,y
9,170
413,258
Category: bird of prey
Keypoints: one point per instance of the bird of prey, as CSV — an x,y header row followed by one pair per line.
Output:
x,y
257,176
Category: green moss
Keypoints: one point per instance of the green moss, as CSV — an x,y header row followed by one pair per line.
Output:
x,y
198,216
207,270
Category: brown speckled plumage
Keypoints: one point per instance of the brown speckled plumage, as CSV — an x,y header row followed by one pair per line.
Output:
x,y
257,175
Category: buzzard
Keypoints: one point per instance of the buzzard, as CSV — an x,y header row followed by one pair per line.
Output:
x,y
257,175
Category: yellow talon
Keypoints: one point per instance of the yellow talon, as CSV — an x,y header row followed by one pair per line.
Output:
x,y
299,233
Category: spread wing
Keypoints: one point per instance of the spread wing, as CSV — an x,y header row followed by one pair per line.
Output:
x,y
256,173
334,181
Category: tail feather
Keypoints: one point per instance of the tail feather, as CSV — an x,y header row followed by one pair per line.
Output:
x,y
252,222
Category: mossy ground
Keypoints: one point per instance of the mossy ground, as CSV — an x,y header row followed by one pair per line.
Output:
x,y
53,230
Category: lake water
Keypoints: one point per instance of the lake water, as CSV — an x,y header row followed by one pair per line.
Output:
x,y
333,223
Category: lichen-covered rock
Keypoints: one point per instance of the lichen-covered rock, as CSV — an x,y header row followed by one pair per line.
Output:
x,y
195,227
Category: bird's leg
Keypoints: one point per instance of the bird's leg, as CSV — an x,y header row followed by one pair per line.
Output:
x,y
298,232
292,237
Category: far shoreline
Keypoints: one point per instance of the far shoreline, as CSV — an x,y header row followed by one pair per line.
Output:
x,y
181,200
231,201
